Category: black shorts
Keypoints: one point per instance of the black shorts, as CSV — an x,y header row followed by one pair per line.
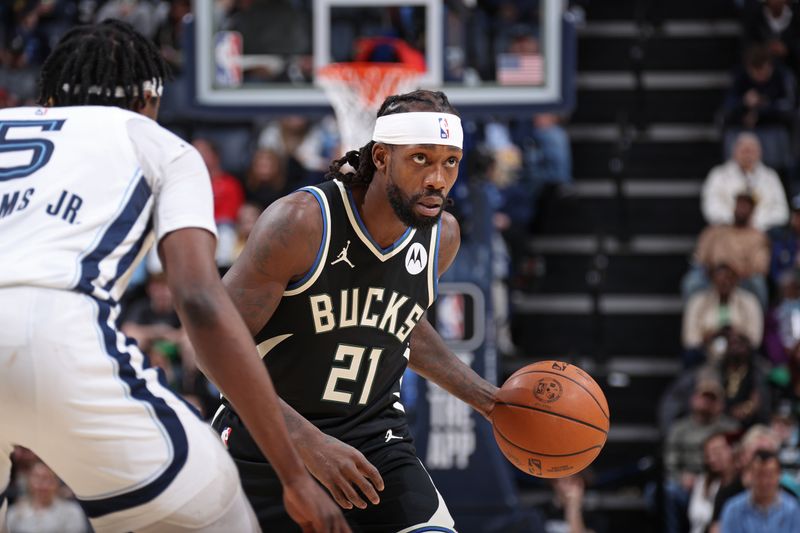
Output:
x,y
409,500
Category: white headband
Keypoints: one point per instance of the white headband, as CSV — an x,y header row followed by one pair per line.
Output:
x,y
419,128
154,86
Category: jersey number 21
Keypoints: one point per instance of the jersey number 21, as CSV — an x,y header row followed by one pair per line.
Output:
x,y
350,373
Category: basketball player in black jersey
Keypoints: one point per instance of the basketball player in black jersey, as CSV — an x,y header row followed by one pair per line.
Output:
x,y
333,283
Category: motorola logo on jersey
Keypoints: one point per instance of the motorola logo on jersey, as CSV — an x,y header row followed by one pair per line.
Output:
x,y
416,259
444,129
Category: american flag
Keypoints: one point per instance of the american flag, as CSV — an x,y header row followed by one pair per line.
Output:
x,y
520,69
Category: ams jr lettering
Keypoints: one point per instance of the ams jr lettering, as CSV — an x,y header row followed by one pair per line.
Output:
x,y
367,310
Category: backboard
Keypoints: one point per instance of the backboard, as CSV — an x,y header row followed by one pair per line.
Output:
x,y
264,57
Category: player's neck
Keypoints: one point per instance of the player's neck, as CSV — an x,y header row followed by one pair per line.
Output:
x,y
378,215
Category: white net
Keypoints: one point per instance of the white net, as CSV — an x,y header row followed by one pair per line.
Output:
x,y
356,92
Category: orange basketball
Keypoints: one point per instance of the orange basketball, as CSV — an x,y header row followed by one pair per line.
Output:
x,y
551,419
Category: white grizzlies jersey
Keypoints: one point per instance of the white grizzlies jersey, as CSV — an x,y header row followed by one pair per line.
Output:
x,y
82,191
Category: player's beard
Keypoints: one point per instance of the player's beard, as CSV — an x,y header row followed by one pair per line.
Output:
x,y
404,207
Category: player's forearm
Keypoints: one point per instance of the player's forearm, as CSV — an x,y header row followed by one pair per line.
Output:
x,y
303,433
433,360
228,356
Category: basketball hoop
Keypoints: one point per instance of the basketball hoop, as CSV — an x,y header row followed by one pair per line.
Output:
x,y
356,91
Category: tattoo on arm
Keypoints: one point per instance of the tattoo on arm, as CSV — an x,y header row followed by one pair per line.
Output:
x,y
433,360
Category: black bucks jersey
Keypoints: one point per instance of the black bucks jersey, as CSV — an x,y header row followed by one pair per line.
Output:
x,y
338,343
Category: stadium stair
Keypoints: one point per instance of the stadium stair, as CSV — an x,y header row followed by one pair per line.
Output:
x,y
601,286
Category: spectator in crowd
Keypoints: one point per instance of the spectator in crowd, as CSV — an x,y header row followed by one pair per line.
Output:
x,y
683,453
228,198
785,242
548,155
245,221
42,510
35,26
746,392
153,318
782,324
787,313
514,191
676,400
757,438
772,24
228,191
306,147
741,246
28,31
784,425
512,18
566,512
745,172
711,312
144,15
763,507
761,99
718,470
169,34
785,382
266,180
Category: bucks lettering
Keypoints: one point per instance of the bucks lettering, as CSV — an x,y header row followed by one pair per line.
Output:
x,y
352,307
344,328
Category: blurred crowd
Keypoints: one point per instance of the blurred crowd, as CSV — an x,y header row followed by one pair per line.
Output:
x,y
731,419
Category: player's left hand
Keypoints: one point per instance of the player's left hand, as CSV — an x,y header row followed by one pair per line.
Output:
x,y
309,506
341,469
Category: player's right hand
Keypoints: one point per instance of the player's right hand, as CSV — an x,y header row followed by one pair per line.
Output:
x,y
312,509
342,469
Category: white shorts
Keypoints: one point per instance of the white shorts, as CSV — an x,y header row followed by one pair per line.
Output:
x,y
75,391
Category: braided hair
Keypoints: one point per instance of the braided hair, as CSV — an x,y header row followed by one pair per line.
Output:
x,y
96,64
361,159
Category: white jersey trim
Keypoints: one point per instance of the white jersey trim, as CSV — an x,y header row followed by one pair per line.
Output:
x,y
355,222
316,269
433,263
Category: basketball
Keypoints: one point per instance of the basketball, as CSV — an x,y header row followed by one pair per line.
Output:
x,y
551,419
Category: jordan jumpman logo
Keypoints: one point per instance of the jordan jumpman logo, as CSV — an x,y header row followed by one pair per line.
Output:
x,y
389,436
343,256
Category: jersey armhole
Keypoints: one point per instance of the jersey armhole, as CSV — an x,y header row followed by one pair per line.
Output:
x,y
433,263
319,262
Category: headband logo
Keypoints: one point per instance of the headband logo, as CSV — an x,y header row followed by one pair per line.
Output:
x,y
444,130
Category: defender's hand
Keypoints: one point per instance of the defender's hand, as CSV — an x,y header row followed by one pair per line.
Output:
x,y
342,468
312,509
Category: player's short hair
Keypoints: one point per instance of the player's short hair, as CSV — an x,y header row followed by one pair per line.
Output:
x,y
101,64
361,159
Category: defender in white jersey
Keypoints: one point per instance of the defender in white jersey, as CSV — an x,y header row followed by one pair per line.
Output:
x,y
87,183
